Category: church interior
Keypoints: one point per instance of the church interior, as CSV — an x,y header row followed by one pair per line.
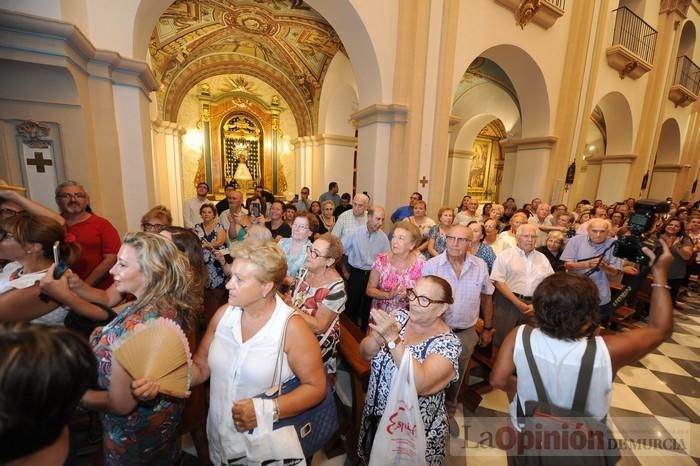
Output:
x,y
141,100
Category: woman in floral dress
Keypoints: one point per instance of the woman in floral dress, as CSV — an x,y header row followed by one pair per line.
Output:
x,y
320,295
435,351
213,237
153,270
395,271
437,236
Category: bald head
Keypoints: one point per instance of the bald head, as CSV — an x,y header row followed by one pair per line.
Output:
x,y
526,237
459,238
359,204
598,229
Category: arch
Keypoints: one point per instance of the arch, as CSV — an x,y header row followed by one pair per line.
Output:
x,y
340,14
470,130
618,122
668,151
229,63
528,82
338,98
686,45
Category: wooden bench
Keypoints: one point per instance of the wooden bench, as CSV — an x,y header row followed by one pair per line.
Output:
x,y
349,350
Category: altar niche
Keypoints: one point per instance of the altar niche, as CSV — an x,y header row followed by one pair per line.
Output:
x,y
242,142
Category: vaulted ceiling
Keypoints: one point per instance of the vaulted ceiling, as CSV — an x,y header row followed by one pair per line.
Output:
x,y
283,42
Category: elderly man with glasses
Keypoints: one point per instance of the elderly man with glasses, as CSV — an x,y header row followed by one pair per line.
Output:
x,y
98,239
472,290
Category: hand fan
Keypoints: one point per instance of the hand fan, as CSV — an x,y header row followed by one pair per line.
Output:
x,y
157,350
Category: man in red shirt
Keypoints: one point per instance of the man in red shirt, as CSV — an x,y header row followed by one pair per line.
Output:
x,y
98,239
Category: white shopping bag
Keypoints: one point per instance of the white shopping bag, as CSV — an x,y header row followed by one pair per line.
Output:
x,y
400,438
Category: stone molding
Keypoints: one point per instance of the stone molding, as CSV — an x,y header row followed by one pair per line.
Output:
x,y
38,40
543,142
380,113
623,159
167,127
460,154
326,139
669,167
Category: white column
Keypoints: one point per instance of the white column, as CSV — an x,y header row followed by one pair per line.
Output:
x,y
136,154
334,161
458,165
304,157
663,180
531,160
167,167
613,170
375,125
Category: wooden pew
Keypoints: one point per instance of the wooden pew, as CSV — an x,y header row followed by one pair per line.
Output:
x,y
349,350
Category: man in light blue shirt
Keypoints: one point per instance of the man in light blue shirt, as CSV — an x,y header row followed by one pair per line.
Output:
x,y
407,210
582,254
361,249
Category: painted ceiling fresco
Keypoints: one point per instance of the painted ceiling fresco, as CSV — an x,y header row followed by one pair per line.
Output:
x,y
284,42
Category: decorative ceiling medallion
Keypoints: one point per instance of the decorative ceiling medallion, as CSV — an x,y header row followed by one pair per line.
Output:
x,y
252,21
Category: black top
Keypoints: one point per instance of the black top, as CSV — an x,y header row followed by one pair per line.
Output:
x,y
340,209
221,206
554,261
285,231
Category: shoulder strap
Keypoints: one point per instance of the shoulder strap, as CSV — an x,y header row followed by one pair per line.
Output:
x,y
276,385
539,386
584,377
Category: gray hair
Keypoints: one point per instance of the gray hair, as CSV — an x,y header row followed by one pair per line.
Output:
x,y
65,184
523,227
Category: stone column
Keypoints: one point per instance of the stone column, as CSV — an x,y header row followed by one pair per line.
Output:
x,y
458,165
613,169
304,157
663,180
529,157
333,161
376,125
167,167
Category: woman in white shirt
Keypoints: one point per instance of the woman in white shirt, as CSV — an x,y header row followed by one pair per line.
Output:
x,y
27,242
565,307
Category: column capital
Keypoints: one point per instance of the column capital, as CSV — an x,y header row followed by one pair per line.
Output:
x,y
460,154
679,7
167,127
542,142
626,159
380,113
669,167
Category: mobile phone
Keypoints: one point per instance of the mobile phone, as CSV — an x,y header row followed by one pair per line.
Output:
x,y
61,266
255,209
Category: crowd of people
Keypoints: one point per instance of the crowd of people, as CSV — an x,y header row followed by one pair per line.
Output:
x,y
247,274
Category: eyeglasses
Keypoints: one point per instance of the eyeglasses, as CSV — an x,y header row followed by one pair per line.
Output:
x,y
299,226
66,196
157,227
423,301
7,213
313,253
457,240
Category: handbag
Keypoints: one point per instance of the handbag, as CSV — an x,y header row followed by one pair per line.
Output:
x,y
548,420
400,437
316,425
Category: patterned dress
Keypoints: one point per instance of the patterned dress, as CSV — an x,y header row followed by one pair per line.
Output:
x,y
147,435
217,277
486,253
432,407
391,278
333,296
439,238
294,261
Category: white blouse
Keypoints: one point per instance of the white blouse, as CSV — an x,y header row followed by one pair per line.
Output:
x,y
12,278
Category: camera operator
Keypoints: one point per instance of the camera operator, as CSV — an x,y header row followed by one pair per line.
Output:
x,y
592,255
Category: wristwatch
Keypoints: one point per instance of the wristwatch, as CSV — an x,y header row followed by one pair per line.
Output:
x,y
392,344
275,412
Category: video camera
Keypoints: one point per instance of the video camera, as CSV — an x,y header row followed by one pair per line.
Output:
x,y
641,223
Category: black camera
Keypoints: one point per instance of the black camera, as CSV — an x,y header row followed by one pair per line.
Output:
x,y
644,218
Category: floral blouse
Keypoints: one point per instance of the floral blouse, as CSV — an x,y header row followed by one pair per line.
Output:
x,y
391,278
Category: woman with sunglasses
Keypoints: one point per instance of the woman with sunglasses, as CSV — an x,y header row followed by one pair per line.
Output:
x,y
434,353
320,295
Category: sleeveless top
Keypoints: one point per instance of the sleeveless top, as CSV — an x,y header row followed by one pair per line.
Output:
x,y
12,278
558,362
241,370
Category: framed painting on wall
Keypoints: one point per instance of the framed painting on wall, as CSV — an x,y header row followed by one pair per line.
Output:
x,y
480,166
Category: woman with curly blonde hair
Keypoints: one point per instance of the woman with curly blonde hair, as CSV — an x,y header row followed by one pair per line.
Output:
x,y
152,269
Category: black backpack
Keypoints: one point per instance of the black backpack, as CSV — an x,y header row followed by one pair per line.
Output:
x,y
553,435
